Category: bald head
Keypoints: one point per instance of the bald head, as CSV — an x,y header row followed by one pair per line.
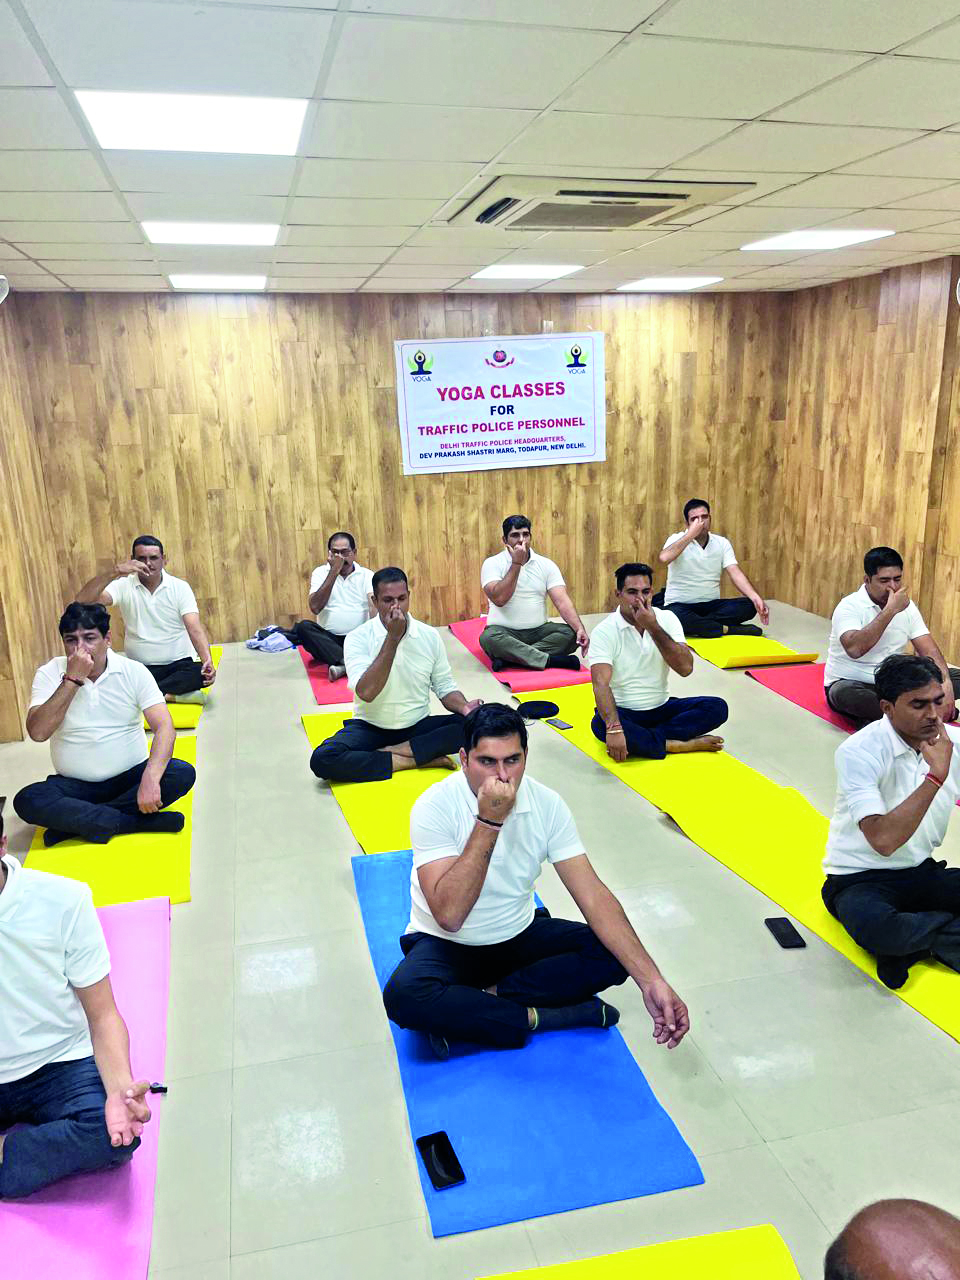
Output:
x,y
896,1240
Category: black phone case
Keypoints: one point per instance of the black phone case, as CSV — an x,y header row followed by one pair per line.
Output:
x,y
440,1160
784,932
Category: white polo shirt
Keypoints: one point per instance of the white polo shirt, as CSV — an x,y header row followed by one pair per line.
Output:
x,y
853,613
50,942
694,577
538,829
347,606
527,607
102,733
876,771
154,620
639,680
419,665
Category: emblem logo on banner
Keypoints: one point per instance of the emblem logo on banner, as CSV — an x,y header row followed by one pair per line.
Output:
x,y
542,404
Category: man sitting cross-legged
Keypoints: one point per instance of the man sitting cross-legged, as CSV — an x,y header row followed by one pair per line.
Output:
x,y
631,654
393,662
340,596
91,706
481,961
898,780
871,624
518,582
65,1078
161,618
696,561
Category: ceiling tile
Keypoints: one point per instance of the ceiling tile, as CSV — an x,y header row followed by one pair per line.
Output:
x,y
935,155
761,184
29,285
887,219
374,131
460,64
772,145
480,237
191,173
173,48
654,75
847,191
410,284
311,284
949,227
555,242
214,257
35,118
81,206
332,253
81,232
215,206
584,257
52,253
410,179
836,24
50,171
468,257
370,213
346,235
9,254
115,284
943,198
754,218
18,62
327,270
630,142
836,259
904,93
494,286
423,271
86,267
21,267
597,15
944,43
739,263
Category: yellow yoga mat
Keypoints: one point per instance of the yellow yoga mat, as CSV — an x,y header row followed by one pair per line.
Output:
x,y
186,715
128,868
753,1253
770,835
747,651
378,813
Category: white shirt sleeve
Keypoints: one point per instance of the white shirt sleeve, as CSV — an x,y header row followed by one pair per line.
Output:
x,y
917,625
318,577
147,690
433,832
117,589
674,537
858,776
45,683
188,601
86,958
490,571
552,576
672,625
845,618
441,678
357,656
602,645
563,838
729,555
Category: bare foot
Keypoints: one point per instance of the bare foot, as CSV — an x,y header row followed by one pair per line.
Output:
x,y
710,742
401,762
399,749
441,762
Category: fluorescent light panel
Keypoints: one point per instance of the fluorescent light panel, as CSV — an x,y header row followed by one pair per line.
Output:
x,y
525,271
218,283
194,122
667,284
237,233
814,240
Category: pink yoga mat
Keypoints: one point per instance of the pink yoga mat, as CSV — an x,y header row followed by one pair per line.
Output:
x,y
99,1226
802,686
326,693
519,679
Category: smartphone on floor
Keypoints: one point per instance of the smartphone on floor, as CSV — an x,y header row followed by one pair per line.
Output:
x,y
440,1160
784,932
558,723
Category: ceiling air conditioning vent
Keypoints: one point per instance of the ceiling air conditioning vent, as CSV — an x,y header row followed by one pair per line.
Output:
x,y
563,204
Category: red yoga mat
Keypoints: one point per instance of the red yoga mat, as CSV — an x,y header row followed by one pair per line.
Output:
x,y
326,693
517,679
802,686
98,1226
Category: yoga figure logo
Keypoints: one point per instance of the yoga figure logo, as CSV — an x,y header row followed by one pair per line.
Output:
x,y
420,365
576,360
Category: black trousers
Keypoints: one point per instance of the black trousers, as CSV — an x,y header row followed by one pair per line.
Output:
x,y
354,752
322,645
707,618
182,676
859,701
98,810
439,986
681,719
913,912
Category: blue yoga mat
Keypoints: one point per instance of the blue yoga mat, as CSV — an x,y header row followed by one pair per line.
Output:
x,y
566,1122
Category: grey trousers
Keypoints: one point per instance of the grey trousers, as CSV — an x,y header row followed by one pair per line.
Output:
x,y
529,647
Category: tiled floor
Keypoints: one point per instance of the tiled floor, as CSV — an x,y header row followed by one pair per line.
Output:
x,y
803,1088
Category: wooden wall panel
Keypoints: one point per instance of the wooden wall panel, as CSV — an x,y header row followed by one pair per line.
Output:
x,y
29,556
243,430
866,366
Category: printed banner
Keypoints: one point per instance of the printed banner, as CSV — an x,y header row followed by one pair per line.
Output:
x,y
468,404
